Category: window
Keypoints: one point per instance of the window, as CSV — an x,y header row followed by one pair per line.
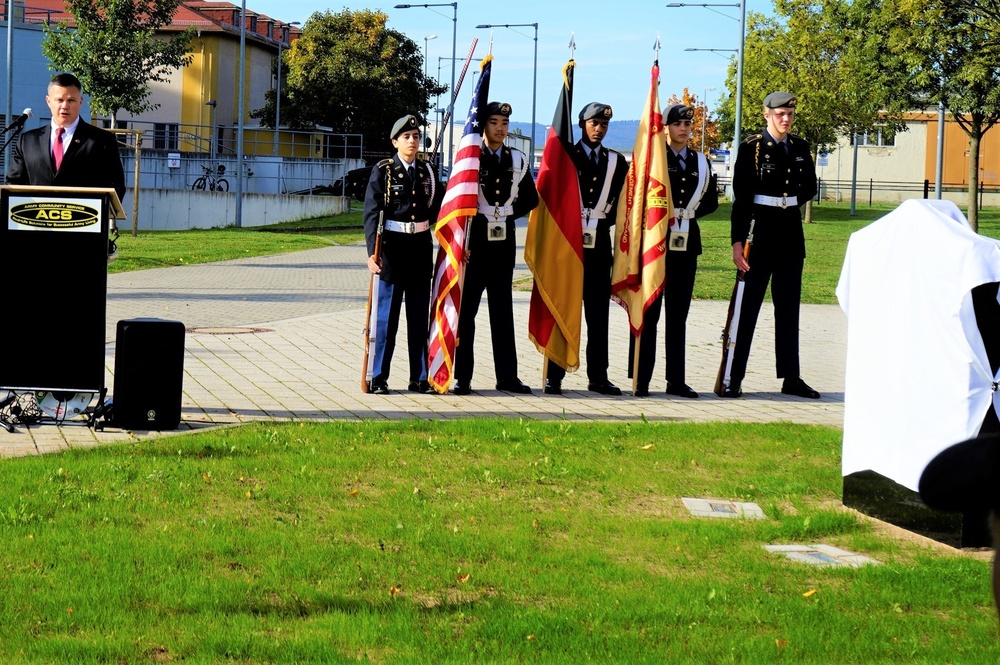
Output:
x,y
883,136
165,136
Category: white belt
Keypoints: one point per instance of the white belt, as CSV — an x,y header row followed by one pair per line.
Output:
x,y
775,201
406,227
589,213
495,211
684,213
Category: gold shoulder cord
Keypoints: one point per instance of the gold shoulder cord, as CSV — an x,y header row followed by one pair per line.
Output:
x,y
756,159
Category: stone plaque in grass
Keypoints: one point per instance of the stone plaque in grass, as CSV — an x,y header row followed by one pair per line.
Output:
x,y
722,508
822,555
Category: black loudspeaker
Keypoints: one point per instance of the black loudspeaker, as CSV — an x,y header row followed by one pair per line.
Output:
x,y
149,374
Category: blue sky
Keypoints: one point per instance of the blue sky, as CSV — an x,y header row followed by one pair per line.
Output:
x,y
614,46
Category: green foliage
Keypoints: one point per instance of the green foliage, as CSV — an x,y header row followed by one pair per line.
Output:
x,y
349,72
115,52
805,49
941,50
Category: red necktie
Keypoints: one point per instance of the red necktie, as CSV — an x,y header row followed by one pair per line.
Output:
x,y
57,148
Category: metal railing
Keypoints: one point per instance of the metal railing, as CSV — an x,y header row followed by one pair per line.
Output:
x,y
25,14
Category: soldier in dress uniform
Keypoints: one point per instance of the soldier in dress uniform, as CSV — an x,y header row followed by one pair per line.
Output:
x,y
774,175
506,192
694,192
601,173
404,190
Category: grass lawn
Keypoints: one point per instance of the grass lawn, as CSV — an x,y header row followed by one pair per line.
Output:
x,y
161,249
472,541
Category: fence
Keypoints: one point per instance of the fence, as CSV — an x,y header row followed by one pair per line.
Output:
x,y
871,191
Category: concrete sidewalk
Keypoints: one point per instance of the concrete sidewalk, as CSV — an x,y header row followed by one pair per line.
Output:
x,y
279,338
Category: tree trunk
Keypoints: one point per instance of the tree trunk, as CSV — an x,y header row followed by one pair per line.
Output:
x,y
114,120
973,214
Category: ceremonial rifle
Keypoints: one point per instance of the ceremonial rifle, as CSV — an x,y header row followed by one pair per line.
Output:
x,y
724,377
371,318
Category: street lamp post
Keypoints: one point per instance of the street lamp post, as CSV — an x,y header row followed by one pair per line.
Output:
x,y
241,107
427,39
534,78
704,117
454,44
277,93
742,5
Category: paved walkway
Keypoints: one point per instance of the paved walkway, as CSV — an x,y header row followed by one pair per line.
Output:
x,y
280,338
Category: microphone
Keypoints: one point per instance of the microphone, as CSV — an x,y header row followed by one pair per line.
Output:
x,y
19,121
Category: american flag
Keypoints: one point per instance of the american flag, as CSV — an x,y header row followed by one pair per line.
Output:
x,y
457,210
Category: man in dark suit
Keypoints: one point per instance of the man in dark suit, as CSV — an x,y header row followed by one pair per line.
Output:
x,y
601,173
774,176
68,152
694,193
506,192
402,191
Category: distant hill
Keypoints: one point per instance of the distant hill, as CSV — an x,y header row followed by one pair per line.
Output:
x,y
621,133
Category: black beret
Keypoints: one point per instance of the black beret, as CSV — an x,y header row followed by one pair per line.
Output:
x,y
404,124
497,108
595,110
779,100
677,112
964,477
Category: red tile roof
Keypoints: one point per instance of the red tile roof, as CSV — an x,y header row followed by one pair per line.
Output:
x,y
199,14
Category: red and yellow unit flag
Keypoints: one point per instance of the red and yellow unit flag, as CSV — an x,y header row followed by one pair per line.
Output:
x,y
458,207
645,211
554,246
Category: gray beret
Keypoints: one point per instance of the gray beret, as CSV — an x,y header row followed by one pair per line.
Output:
x,y
779,100
497,108
677,112
404,124
595,110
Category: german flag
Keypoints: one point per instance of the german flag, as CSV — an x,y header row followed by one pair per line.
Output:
x,y
554,246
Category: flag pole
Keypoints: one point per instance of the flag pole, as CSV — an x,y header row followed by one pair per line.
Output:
x,y
637,343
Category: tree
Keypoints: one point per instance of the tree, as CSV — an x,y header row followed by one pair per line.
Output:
x,y
947,54
115,51
701,123
350,73
816,62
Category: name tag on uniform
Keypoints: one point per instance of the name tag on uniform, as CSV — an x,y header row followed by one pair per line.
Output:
x,y
496,231
589,233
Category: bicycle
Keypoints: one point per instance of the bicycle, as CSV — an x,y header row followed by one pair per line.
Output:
x,y
212,180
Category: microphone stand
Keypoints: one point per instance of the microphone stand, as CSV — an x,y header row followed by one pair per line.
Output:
x,y
17,127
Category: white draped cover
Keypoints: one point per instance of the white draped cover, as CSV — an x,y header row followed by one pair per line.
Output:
x,y
918,378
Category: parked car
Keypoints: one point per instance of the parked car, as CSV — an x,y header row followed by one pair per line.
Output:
x,y
354,183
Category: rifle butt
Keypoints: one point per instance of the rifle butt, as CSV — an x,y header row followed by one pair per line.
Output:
x,y
365,379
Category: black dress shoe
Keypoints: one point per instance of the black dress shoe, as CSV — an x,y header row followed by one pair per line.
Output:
x,y
641,391
420,387
732,391
379,388
513,386
681,390
605,388
799,388
462,389
552,387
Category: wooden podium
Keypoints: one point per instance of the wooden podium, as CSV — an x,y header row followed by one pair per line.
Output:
x,y
54,250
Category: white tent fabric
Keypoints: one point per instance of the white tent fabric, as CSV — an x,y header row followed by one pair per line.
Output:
x,y
918,378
